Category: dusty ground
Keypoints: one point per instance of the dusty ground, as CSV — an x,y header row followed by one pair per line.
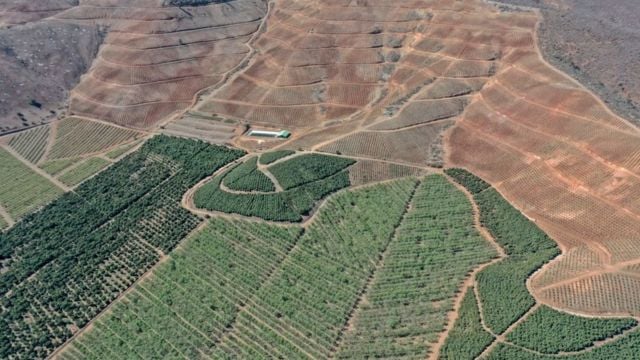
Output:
x,y
40,63
598,43
558,154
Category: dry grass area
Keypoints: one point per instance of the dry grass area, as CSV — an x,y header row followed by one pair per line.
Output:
x,y
156,58
559,155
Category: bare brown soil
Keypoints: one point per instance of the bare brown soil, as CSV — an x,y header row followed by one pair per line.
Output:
x,y
558,154
156,58
215,131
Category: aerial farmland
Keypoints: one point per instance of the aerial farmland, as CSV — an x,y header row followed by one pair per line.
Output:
x,y
338,179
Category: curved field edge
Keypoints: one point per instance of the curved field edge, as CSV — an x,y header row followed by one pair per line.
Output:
x,y
293,204
64,264
232,289
243,267
512,321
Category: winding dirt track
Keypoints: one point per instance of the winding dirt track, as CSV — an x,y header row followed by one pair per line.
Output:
x,y
362,79
559,155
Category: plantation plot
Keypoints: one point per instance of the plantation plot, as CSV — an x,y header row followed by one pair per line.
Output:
x,y
272,156
81,251
549,331
419,145
467,339
527,332
203,128
75,137
304,169
195,296
433,249
84,170
23,190
334,258
247,177
369,171
241,289
31,144
54,167
249,191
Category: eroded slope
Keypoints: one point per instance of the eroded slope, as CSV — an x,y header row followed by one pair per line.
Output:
x,y
157,57
557,153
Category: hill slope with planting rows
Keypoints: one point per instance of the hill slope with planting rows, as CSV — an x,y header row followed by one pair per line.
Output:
x,y
155,58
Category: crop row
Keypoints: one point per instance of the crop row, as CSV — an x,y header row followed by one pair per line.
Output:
x,y
305,169
435,247
82,250
23,190
247,177
504,296
31,144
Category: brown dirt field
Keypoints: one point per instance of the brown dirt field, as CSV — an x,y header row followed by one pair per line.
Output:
x,y
157,58
556,153
369,171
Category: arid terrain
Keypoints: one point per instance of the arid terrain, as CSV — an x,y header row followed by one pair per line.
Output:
x,y
597,44
460,175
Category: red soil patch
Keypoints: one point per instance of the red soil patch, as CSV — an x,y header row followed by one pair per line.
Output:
x,y
157,58
568,163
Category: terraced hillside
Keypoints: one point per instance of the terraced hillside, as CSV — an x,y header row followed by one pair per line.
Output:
x,y
371,81
156,57
557,153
